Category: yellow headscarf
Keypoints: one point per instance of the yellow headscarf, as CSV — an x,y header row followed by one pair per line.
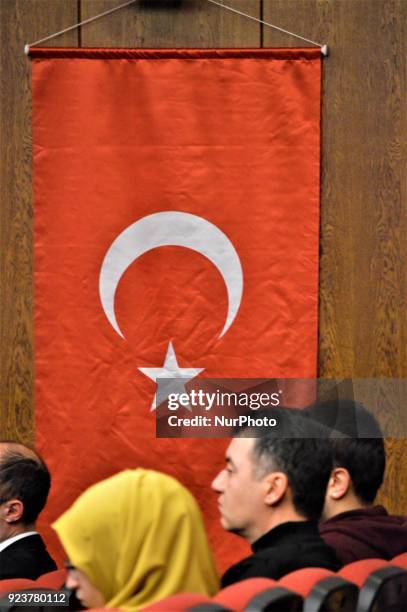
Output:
x,y
139,537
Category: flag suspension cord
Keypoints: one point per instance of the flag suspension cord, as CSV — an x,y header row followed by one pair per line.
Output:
x,y
324,48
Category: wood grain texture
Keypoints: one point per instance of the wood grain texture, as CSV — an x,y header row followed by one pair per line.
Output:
x,y
363,265
21,21
363,282
176,23
363,222
364,216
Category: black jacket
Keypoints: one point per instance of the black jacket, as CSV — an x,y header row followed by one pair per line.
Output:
x,y
282,550
26,558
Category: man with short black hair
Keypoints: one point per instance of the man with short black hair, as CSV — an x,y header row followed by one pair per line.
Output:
x,y
271,493
352,524
24,485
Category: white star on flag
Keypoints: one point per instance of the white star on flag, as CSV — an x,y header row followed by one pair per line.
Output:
x,y
171,369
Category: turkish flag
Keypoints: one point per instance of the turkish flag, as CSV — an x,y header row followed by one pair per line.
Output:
x,y
176,229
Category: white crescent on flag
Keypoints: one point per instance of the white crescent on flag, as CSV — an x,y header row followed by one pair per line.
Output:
x,y
171,228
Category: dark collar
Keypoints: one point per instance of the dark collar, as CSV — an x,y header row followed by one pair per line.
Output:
x,y
368,511
285,532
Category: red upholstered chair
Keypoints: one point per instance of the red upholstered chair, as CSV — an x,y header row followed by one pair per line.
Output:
x,y
52,580
259,594
383,586
358,571
45,584
400,560
15,584
184,602
322,590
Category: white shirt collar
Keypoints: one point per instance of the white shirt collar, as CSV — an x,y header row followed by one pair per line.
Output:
x,y
20,536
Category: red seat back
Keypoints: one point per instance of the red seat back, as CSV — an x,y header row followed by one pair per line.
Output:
x,y
385,589
383,586
238,594
302,581
181,603
400,560
358,571
15,584
258,594
52,580
322,590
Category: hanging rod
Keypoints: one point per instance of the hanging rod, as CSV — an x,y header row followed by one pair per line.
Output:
x,y
323,47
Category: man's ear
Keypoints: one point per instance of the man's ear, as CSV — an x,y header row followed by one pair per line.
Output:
x,y
12,511
339,484
276,485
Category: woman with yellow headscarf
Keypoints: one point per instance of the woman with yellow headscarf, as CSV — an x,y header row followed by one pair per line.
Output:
x,y
133,539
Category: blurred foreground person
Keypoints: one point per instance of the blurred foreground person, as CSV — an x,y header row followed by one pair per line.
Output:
x,y
133,539
352,525
24,486
271,492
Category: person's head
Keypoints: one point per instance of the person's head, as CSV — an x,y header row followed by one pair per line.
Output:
x,y
24,486
268,479
358,455
133,539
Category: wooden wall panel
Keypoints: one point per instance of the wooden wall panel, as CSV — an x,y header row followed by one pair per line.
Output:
x,y
363,213
363,266
171,23
363,225
21,21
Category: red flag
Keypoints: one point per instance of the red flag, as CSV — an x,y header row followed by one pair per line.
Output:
x,y
176,226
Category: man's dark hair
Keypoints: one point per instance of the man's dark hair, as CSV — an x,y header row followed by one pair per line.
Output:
x,y
359,447
299,448
24,476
